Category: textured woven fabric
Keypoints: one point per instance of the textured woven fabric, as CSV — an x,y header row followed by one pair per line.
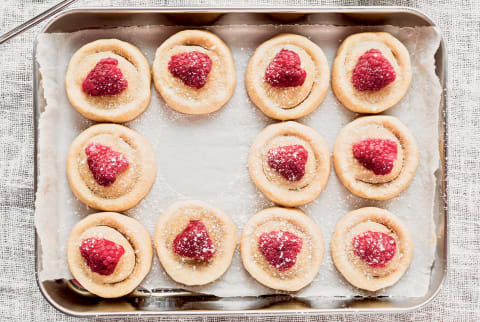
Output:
x,y
459,21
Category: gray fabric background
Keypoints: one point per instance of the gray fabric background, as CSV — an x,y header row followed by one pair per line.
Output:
x,y
459,20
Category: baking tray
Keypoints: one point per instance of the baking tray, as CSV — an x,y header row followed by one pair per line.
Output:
x,y
71,299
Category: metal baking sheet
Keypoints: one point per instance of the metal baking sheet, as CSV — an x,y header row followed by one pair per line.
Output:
x,y
71,299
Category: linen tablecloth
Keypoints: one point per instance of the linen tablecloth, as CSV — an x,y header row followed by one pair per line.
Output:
x,y
459,300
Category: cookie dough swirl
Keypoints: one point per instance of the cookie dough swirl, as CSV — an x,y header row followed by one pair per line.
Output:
x,y
133,265
348,54
118,108
220,229
275,186
221,79
352,267
364,182
130,186
287,103
308,260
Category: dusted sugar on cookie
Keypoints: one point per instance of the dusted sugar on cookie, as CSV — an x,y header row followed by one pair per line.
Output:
x,y
193,71
287,77
110,167
195,242
290,163
371,248
109,254
375,157
371,72
282,248
108,80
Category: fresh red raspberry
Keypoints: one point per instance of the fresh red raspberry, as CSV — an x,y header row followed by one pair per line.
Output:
x,y
373,71
280,248
104,163
105,79
377,155
374,248
285,70
101,255
289,161
194,242
191,67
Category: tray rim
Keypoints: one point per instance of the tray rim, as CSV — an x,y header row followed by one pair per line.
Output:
x,y
443,148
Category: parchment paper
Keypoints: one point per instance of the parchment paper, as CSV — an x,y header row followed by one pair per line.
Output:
x,y
205,157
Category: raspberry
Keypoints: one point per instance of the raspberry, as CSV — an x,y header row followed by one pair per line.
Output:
x,y
289,161
374,248
280,248
285,70
194,242
373,71
102,255
105,79
377,155
104,163
192,68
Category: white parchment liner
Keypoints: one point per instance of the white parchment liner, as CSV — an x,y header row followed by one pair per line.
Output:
x,y
205,157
